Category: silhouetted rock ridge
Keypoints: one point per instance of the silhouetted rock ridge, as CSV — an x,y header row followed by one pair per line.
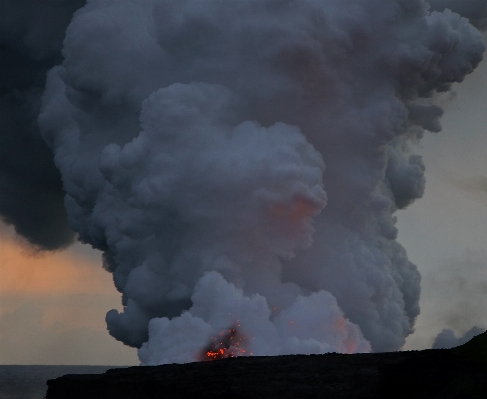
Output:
x,y
442,373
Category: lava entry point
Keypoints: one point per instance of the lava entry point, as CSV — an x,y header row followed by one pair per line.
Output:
x,y
227,344
428,374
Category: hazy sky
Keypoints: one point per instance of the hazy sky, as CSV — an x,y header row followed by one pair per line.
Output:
x,y
53,304
445,232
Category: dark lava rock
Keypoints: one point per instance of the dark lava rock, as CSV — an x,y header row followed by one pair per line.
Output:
x,y
431,374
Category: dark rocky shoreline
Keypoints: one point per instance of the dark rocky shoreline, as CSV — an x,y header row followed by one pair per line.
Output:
x,y
29,381
443,373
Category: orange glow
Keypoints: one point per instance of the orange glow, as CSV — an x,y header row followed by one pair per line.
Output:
x,y
48,273
228,344
341,325
298,209
350,343
350,346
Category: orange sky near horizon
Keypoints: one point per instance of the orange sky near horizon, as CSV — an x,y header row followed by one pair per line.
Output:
x,y
23,271
53,306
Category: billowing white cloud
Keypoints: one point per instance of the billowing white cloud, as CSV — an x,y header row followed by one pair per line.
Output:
x,y
192,139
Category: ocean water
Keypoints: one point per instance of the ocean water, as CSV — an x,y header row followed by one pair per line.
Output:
x,y
29,382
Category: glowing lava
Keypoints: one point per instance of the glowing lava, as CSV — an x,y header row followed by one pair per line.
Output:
x,y
228,344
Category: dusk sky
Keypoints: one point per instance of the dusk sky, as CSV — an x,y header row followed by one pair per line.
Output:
x,y
53,301
53,307
445,232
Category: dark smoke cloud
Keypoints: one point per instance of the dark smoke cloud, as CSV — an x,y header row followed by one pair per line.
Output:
x,y
240,163
474,10
31,193
447,338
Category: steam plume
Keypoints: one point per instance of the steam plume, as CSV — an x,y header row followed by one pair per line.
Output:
x,y
474,10
192,139
447,338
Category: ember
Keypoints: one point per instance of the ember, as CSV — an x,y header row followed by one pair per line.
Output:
x,y
227,344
